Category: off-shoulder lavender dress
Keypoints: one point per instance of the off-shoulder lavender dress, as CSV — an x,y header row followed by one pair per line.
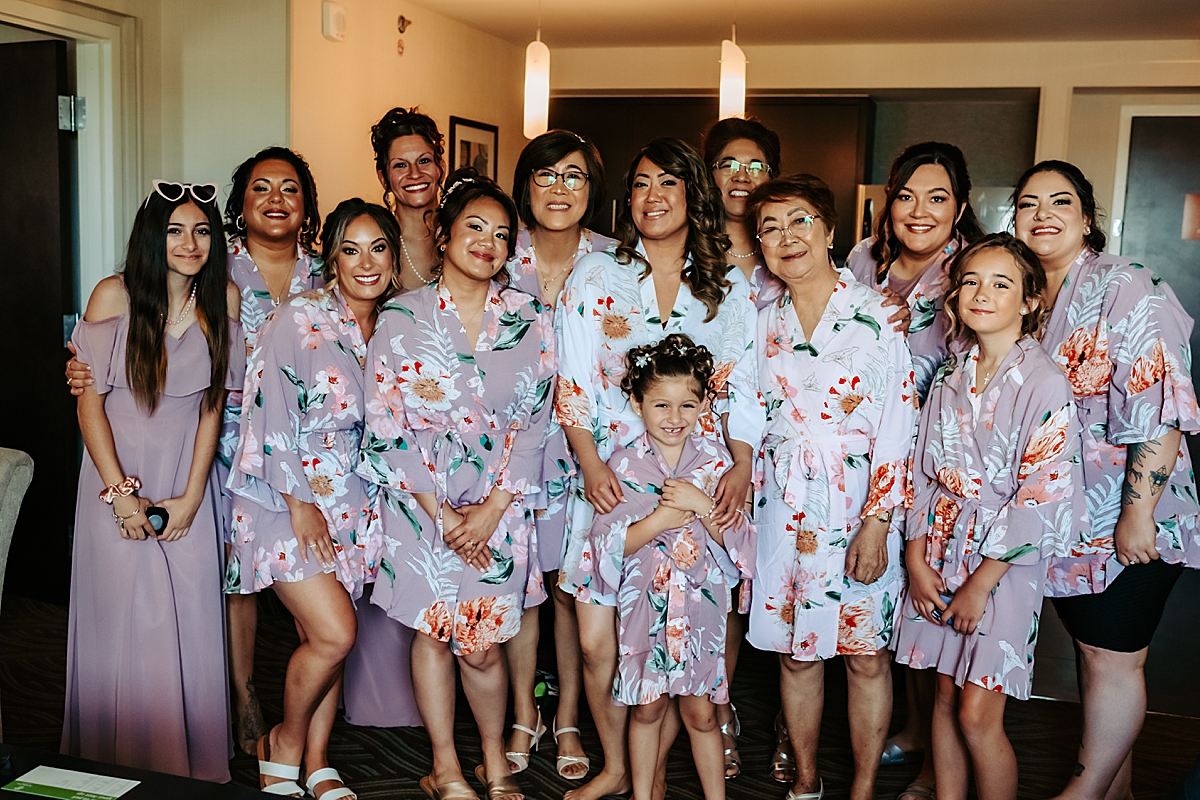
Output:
x,y
146,675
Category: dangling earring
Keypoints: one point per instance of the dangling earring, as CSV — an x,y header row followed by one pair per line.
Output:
x,y
387,199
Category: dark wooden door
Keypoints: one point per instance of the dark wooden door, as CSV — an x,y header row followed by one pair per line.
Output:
x,y
830,137
1164,169
36,273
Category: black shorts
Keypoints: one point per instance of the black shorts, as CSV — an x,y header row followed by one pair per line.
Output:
x,y
1124,616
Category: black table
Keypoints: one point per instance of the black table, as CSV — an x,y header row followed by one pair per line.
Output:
x,y
153,786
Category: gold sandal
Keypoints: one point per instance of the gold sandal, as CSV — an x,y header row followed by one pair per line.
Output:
x,y
454,790
500,787
731,730
783,767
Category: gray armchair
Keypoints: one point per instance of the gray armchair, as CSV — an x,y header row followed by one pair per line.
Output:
x,y
16,471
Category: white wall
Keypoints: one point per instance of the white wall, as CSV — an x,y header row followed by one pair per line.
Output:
x,y
339,89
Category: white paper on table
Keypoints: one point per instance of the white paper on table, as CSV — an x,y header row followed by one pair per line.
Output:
x,y
67,784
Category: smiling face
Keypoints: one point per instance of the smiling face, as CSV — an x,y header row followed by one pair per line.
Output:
x,y
1049,218
273,206
795,258
189,240
364,260
669,409
991,300
658,202
736,188
478,244
924,212
555,207
413,174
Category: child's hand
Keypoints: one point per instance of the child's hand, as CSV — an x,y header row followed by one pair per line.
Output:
x,y
925,586
685,496
966,609
669,517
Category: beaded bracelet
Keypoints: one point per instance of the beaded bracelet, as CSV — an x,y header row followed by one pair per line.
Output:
x,y
123,489
711,508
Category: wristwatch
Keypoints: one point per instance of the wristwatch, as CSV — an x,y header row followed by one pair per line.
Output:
x,y
884,516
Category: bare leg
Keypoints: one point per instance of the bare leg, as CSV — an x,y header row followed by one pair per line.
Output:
x,y
921,686
645,729
485,683
316,749
1113,689
981,718
802,690
870,690
433,686
598,641
666,740
570,676
521,655
699,716
735,631
949,747
242,611
323,612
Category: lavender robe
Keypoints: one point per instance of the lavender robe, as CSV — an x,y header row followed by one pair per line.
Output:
x,y
997,476
146,675
456,421
673,593
1121,336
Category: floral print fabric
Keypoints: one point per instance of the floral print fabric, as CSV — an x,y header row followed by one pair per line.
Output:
x,y
558,464
609,307
926,299
841,415
1121,336
256,306
300,436
674,592
456,421
997,476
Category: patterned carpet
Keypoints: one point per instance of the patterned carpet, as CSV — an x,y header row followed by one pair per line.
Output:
x,y
381,763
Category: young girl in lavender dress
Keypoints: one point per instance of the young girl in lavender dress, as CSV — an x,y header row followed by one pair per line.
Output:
x,y
674,585
998,481
146,679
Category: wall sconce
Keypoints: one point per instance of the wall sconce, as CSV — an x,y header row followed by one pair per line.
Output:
x,y
537,87
733,79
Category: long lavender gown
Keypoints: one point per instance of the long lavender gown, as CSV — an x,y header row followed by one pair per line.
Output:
x,y
146,673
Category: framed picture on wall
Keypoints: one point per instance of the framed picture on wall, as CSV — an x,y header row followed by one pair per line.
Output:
x,y
473,144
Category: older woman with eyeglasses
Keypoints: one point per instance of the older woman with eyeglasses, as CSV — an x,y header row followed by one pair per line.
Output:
x,y
841,414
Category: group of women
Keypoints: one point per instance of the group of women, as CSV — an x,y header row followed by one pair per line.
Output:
x,y
702,431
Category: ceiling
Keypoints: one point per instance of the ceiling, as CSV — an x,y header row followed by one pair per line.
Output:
x,y
613,23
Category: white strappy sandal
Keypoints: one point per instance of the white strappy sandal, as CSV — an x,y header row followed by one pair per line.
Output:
x,y
817,795
518,760
271,769
328,774
562,762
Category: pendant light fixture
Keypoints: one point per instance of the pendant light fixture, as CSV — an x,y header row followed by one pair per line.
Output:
x,y
733,79
537,84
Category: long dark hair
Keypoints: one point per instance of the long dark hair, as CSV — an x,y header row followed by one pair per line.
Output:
x,y
706,238
145,276
1033,284
887,246
463,186
405,122
236,223
546,151
1092,215
335,231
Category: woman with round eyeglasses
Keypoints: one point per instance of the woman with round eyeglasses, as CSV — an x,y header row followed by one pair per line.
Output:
x,y
410,162
1121,336
667,275
558,186
743,154
146,671
841,413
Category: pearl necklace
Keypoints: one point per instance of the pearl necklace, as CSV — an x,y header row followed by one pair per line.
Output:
x,y
732,254
408,259
171,323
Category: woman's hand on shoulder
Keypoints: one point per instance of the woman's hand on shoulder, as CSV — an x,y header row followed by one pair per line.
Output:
x,y
79,374
108,300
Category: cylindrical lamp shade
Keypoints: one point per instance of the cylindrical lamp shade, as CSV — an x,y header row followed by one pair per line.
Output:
x,y
733,82
537,89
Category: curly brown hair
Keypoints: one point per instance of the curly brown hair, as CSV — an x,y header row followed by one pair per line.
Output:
x,y
673,356
706,239
1033,284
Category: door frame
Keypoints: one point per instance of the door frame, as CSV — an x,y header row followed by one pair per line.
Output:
x,y
108,74
1121,174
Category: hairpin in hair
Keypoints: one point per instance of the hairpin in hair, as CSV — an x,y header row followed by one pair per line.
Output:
x,y
642,360
580,138
681,349
446,194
